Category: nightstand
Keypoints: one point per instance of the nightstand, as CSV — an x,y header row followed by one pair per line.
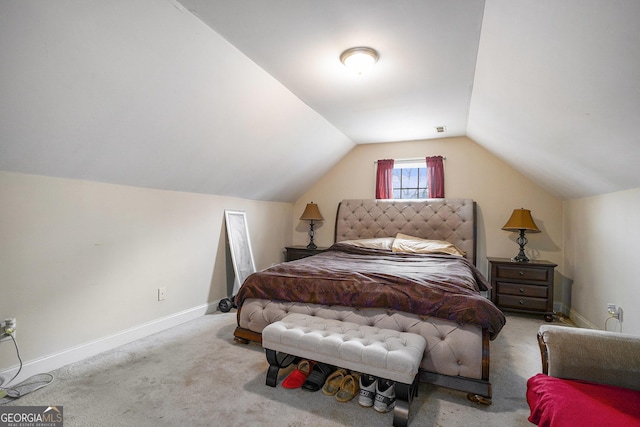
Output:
x,y
522,286
297,252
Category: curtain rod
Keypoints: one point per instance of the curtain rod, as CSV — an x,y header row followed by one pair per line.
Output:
x,y
416,159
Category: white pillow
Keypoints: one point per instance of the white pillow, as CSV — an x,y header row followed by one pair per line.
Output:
x,y
376,243
416,245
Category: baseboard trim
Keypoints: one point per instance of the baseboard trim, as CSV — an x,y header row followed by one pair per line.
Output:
x,y
580,320
83,351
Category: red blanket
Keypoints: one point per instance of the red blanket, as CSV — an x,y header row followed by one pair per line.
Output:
x,y
442,286
556,402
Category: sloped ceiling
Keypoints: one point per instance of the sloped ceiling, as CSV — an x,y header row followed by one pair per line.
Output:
x,y
423,79
143,93
247,98
557,92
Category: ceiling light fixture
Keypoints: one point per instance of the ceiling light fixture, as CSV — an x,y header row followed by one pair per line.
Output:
x,y
359,59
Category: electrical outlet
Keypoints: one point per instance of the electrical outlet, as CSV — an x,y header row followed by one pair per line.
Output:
x,y
614,311
162,294
8,329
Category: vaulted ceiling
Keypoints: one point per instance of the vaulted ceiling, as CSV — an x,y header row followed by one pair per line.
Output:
x,y
248,98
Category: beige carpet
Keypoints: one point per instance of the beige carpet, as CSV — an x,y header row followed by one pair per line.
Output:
x,y
196,375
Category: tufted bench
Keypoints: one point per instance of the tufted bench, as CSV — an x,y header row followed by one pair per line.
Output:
x,y
384,353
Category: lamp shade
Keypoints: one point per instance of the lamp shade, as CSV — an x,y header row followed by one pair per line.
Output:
x,y
311,213
521,220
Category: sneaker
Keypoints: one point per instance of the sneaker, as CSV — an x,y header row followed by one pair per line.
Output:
x,y
385,395
368,385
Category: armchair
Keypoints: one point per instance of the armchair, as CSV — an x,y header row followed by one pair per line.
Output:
x,y
589,377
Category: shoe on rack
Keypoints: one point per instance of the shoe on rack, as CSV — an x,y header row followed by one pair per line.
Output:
x,y
367,395
299,375
348,389
385,395
333,382
315,381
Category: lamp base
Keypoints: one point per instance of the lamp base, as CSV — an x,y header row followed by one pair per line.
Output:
x,y
312,233
520,258
521,240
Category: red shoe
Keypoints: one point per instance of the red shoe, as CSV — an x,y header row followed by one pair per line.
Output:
x,y
296,378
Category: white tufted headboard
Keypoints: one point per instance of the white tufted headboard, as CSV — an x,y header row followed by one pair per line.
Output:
x,y
453,220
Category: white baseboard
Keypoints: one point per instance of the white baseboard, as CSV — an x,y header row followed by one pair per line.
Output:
x,y
576,317
83,351
580,320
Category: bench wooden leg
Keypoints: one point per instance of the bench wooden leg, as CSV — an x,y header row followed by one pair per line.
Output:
x,y
400,413
276,362
404,395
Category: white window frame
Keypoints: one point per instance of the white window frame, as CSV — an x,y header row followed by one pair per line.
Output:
x,y
411,164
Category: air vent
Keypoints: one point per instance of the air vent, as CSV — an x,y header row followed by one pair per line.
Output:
x,y
441,129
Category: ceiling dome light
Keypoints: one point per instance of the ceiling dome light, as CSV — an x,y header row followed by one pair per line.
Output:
x,y
359,59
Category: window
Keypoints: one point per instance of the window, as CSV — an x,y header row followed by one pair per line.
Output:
x,y
410,180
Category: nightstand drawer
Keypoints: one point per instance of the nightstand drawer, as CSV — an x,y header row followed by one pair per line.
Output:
x,y
525,303
522,290
522,273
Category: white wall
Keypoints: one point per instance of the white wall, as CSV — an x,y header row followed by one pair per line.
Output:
x,y
601,233
82,261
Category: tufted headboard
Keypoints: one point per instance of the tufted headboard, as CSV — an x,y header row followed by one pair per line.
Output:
x,y
453,220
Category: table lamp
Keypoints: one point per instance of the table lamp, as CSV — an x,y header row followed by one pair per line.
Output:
x,y
521,221
311,213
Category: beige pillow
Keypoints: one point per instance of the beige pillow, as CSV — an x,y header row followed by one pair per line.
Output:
x,y
416,245
376,243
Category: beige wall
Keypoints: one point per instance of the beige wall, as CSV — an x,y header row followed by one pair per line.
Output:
x,y
470,172
81,260
600,238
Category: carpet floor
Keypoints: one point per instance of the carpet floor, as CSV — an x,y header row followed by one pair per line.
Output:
x,y
196,375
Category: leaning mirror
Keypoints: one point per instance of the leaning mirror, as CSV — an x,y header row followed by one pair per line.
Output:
x,y
241,254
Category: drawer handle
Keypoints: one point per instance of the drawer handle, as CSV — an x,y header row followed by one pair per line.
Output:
x,y
521,273
521,302
521,290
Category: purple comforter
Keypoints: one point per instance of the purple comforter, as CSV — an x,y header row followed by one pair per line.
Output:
x,y
442,286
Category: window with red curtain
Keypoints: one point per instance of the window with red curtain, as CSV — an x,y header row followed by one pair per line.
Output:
x,y
435,172
384,179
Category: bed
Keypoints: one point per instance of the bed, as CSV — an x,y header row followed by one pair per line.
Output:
x,y
377,273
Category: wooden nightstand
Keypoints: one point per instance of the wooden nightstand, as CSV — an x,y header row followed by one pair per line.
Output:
x,y
522,286
297,252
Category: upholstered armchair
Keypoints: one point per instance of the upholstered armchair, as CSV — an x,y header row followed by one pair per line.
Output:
x,y
589,377
590,355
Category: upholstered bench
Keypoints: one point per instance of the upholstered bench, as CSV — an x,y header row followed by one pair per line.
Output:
x,y
383,353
